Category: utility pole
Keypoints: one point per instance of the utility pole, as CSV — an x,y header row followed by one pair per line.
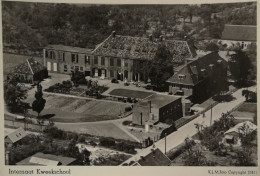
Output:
x,y
165,134
210,114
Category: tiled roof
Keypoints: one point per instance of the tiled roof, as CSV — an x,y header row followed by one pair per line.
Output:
x,y
16,135
155,158
46,160
142,48
239,33
30,66
68,48
192,71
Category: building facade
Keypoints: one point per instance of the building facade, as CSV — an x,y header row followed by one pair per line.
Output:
x,y
119,57
157,108
200,78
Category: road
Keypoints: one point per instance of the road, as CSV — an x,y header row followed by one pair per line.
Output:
x,y
188,130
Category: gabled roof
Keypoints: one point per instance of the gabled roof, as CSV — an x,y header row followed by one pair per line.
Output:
x,y
239,32
16,135
192,70
154,158
30,66
238,128
46,160
142,48
68,49
158,101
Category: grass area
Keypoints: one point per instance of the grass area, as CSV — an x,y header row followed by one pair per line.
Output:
x,y
12,60
130,93
97,129
68,109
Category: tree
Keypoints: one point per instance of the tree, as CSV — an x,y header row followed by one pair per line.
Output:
x,y
161,67
39,103
14,94
244,157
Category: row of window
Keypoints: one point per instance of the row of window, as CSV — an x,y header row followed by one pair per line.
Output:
x,y
170,111
75,59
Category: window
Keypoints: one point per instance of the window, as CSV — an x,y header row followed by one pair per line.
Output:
x,y
126,63
76,68
87,59
102,60
111,62
111,73
81,68
95,59
46,54
74,58
119,62
62,56
181,76
52,55
65,68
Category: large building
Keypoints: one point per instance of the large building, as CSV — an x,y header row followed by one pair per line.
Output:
x,y
238,35
120,57
200,78
157,108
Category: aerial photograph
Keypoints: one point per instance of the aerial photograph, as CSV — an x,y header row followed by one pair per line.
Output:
x,y
129,85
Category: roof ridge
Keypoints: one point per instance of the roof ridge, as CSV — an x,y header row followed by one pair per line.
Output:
x,y
101,43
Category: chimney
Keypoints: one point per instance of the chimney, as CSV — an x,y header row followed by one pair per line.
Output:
x,y
7,158
211,66
114,34
151,37
161,38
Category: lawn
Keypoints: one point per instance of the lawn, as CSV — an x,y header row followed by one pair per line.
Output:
x,y
68,109
248,107
12,60
97,129
130,93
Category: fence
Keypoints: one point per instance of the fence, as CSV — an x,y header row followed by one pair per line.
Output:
x,y
26,126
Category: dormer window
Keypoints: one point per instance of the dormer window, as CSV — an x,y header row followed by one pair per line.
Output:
x,y
181,76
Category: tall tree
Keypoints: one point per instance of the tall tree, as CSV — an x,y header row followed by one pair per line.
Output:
x,y
39,103
161,67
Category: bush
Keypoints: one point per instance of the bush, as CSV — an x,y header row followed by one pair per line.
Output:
x,y
128,108
223,98
107,142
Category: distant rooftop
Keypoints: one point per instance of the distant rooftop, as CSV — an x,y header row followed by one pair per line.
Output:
x,y
239,32
16,135
69,48
46,160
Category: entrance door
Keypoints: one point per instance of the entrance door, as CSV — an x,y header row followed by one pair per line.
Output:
x,y
96,72
55,67
49,66
87,73
103,74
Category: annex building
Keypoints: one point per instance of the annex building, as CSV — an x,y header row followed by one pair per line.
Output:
x,y
241,35
201,78
120,57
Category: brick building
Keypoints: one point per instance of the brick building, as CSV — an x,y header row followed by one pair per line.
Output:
x,y
200,78
120,57
157,108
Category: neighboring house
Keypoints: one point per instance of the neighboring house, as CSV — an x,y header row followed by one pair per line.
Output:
x,y
238,35
31,71
232,136
120,57
201,78
15,136
154,158
157,108
47,160
67,59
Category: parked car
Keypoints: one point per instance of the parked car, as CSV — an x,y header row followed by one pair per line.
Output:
x,y
114,80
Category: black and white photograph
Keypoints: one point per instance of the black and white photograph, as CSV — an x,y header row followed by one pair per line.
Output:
x,y
107,84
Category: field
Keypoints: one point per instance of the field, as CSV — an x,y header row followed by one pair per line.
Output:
x,y
11,60
97,129
67,109
130,93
